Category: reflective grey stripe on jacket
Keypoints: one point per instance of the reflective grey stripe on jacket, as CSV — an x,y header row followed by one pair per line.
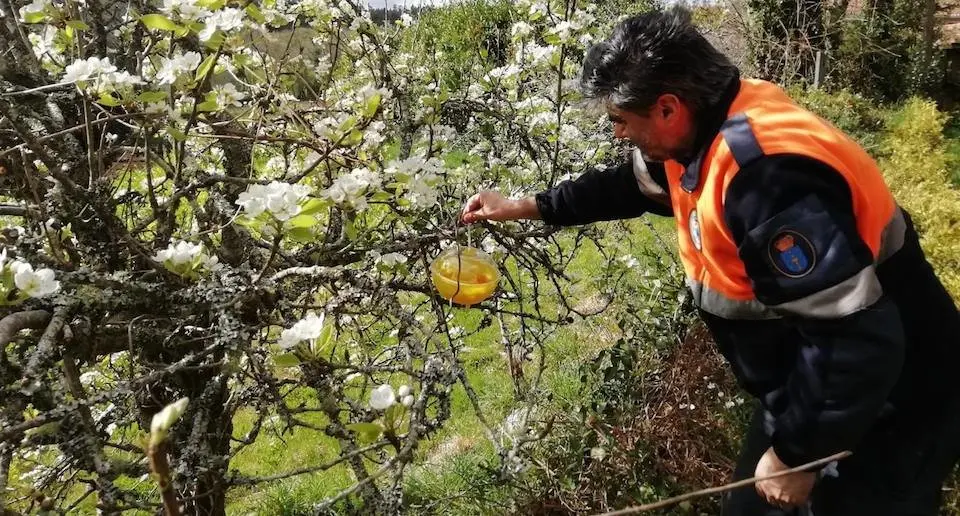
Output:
x,y
855,293
647,185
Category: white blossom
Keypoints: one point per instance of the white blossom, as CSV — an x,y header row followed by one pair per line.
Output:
x,y
407,400
227,20
282,200
308,328
521,29
228,95
629,261
87,379
382,397
44,43
373,135
173,68
118,81
86,69
491,246
351,188
39,283
504,72
403,391
186,9
422,194
180,253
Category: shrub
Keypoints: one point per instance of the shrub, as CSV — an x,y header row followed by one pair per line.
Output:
x,y
915,162
850,112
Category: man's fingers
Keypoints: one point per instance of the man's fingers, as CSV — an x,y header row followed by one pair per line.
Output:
x,y
472,204
475,209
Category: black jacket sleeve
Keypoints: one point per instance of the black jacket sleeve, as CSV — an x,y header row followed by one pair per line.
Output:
x,y
793,221
601,194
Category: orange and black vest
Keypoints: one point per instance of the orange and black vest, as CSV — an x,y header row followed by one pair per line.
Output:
x,y
762,120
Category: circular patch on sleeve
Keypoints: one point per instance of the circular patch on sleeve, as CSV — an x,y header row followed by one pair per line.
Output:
x,y
792,254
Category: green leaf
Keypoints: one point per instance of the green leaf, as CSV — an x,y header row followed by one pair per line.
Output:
x,y
35,17
348,124
381,196
158,22
302,235
206,66
212,5
286,360
152,96
350,230
313,206
353,139
324,339
371,105
302,221
215,40
366,432
182,32
254,13
107,100
77,25
393,415
176,133
207,106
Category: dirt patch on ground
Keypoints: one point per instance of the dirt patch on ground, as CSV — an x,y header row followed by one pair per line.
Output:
x,y
691,423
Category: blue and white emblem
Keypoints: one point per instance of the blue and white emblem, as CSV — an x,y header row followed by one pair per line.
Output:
x,y
792,254
695,230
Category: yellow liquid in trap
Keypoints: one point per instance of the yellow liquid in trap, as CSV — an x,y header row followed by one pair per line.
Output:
x,y
477,278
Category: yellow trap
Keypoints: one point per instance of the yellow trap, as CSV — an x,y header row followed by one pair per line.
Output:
x,y
465,278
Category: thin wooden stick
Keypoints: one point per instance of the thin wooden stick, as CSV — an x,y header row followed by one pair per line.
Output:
x,y
728,487
157,455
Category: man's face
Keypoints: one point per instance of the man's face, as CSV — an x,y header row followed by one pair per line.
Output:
x,y
663,132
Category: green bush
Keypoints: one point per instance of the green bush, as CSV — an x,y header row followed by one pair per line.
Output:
x,y
915,162
850,112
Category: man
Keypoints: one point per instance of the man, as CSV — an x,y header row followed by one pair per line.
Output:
x,y
808,274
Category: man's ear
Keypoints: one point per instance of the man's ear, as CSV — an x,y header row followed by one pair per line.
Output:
x,y
668,105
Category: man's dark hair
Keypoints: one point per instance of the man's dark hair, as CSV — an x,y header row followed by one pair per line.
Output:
x,y
653,54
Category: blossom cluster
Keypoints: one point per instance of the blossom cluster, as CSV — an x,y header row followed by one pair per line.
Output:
x,y
383,397
98,74
350,189
282,200
187,259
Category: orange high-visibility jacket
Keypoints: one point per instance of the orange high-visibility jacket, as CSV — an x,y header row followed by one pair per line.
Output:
x,y
762,120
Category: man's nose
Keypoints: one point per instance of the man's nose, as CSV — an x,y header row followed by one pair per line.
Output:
x,y
619,131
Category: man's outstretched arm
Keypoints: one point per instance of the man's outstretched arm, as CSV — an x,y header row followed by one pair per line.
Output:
x,y
604,194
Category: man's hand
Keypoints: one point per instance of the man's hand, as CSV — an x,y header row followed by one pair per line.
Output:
x,y
490,205
786,491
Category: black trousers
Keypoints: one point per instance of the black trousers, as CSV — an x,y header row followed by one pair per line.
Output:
x,y
897,470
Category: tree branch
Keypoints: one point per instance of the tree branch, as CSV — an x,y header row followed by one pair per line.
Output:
x,y
13,323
